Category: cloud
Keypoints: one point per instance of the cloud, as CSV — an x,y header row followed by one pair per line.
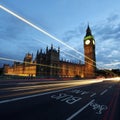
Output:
x,y
10,27
114,54
107,36
16,37
109,28
113,17
112,65
106,33
69,35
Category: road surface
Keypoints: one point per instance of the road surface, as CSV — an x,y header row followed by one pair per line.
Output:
x,y
60,100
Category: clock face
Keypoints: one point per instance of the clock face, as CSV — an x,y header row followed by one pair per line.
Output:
x,y
87,42
93,42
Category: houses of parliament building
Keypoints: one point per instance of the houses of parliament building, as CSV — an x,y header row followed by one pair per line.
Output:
x,y
48,64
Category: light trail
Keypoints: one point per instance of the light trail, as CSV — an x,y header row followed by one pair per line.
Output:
x,y
65,52
33,91
43,31
60,50
57,84
46,33
8,59
50,66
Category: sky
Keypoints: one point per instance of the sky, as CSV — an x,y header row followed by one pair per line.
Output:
x,y
66,20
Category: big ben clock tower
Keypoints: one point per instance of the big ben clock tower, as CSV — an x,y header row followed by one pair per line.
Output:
x,y
89,52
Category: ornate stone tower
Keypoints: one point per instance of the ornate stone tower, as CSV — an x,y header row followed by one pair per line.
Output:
x,y
28,59
52,59
41,62
89,52
47,63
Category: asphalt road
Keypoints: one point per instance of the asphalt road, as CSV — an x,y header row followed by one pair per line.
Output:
x,y
60,100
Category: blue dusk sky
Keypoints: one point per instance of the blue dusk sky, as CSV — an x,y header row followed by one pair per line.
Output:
x,y
67,20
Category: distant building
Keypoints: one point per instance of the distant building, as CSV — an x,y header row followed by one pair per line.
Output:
x,y
48,64
27,68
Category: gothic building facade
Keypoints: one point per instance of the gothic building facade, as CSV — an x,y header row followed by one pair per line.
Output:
x,y
48,64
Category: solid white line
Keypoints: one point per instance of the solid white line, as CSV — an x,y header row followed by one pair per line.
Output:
x,y
35,95
102,93
80,110
93,94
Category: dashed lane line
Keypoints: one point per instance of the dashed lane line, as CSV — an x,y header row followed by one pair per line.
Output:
x,y
93,95
102,93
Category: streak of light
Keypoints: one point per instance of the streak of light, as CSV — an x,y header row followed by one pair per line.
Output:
x,y
46,33
8,59
113,79
73,83
50,66
27,90
60,50
43,31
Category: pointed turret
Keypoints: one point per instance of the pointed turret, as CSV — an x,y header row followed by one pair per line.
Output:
x,y
37,54
46,49
40,51
51,46
58,49
88,31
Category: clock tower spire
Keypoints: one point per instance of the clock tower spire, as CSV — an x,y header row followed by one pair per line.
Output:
x,y
88,31
89,52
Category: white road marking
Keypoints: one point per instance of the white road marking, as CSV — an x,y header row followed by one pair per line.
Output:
x,y
63,97
93,95
102,93
80,110
35,95
110,86
98,108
